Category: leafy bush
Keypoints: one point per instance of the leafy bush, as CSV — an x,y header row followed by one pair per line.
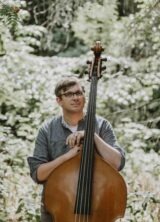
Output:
x,y
95,21
128,95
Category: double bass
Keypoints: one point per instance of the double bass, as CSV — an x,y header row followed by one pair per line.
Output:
x,y
86,188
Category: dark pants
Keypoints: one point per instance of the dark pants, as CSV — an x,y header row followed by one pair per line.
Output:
x,y
45,216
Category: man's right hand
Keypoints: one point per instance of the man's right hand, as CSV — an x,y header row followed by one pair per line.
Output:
x,y
74,139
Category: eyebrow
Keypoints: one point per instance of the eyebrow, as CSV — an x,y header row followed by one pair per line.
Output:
x,y
74,91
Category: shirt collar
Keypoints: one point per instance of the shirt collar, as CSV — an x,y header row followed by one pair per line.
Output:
x,y
66,125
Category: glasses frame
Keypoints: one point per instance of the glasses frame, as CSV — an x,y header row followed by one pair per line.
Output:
x,y
71,94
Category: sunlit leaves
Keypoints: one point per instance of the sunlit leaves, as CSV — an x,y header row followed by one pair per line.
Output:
x,y
95,22
128,95
9,13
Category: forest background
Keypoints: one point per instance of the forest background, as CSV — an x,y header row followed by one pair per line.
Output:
x,y
42,41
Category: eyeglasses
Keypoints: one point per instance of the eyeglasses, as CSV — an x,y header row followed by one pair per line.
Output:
x,y
71,94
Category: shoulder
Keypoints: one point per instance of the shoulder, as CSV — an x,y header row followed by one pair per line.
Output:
x,y
102,122
49,123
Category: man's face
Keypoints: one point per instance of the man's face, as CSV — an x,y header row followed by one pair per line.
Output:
x,y
72,100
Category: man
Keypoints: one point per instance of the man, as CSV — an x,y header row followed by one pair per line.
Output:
x,y
59,139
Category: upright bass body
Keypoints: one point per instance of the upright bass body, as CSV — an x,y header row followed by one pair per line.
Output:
x,y
109,193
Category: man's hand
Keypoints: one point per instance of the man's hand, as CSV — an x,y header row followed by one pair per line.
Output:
x,y
74,139
72,152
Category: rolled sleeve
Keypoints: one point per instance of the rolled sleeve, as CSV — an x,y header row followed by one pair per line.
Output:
x,y
108,135
40,155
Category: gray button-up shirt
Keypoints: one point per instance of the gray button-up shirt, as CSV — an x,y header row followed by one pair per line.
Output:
x,y
50,142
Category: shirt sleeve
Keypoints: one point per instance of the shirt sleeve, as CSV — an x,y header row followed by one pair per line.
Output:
x,y
40,154
108,135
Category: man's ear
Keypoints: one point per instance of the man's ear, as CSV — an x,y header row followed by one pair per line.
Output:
x,y
58,99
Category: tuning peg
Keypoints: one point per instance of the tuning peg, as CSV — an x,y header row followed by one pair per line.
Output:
x,y
104,59
89,62
101,49
103,68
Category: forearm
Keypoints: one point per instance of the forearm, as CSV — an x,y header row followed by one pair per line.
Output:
x,y
108,153
45,169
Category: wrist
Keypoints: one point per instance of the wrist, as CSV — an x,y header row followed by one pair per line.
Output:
x,y
65,157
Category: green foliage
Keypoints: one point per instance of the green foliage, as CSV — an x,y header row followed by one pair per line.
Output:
x,y
143,195
133,96
95,22
126,7
33,36
56,16
15,185
16,18
143,30
9,14
8,18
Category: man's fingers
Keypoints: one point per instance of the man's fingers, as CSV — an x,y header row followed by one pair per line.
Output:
x,y
71,140
67,141
75,138
79,137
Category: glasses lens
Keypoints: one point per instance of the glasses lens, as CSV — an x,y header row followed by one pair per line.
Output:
x,y
78,93
71,94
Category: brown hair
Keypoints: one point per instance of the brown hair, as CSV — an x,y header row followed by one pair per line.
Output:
x,y
66,83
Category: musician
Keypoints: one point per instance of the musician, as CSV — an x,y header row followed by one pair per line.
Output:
x,y
59,139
